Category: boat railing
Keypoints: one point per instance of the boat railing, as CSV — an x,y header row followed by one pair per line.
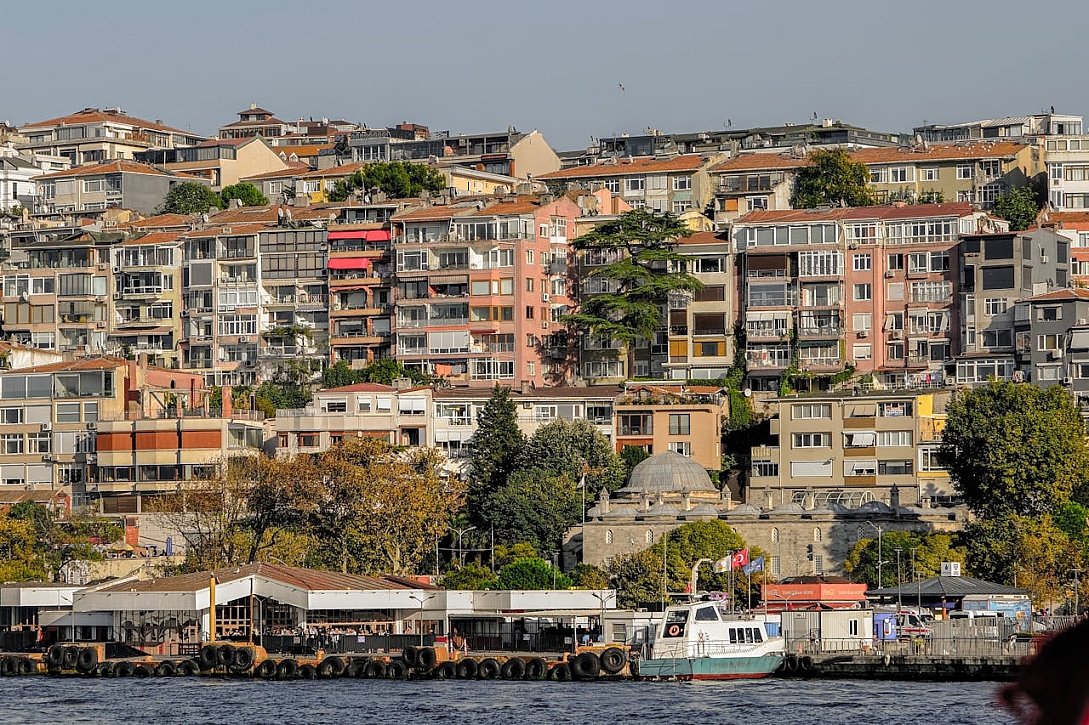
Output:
x,y
721,647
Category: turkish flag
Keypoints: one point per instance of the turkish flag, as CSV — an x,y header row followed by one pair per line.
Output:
x,y
739,559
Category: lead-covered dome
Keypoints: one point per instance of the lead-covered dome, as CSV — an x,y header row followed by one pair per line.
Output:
x,y
669,472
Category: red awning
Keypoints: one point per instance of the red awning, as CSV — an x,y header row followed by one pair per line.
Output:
x,y
349,263
368,235
379,235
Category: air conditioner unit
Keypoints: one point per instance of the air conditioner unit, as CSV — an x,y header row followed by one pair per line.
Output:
x,y
896,334
92,425
117,270
243,340
117,295
889,274
544,325
101,266
185,313
527,406
863,334
101,325
1056,354
48,459
47,426
544,298
1043,259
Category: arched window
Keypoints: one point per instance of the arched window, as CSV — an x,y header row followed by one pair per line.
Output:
x,y
650,536
775,536
817,534
609,537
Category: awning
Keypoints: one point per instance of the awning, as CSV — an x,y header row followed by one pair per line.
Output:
x,y
349,263
862,440
369,235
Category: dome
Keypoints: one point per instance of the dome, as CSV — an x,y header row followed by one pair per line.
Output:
x,y
745,509
788,508
874,507
704,509
669,472
619,512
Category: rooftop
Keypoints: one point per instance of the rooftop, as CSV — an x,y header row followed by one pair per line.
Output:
x,y
905,211
110,167
626,166
110,115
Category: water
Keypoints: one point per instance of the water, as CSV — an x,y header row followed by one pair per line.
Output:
x,y
33,700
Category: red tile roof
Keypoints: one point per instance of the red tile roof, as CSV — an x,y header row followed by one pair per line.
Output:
x,y
759,162
94,115
907,211
160,220
302,151
87,363
109,167
525,204
360,388
294,168
342,170
624,167
1072,293
704,238
154,238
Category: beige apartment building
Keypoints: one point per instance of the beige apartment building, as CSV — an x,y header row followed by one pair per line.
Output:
x,y
95,135
684,419
850,449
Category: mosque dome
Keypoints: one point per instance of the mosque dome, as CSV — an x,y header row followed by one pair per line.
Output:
x,y
669,472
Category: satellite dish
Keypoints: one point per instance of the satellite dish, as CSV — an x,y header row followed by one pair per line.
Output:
x,y
747,392
204,217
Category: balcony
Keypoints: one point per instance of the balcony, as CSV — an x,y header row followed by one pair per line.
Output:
x,y
678,330
822,364
863,423
860,452
144,291
767,333
820,331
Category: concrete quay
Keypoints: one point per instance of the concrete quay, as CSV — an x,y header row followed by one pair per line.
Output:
x,y
943,668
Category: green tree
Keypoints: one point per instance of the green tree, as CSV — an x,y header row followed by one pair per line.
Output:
x,y
383,371
1015,449
574,448
190,197
1019,206
247,192
1032,551
19,558
830,178
532,573
642,279
472,576
632,456
401,179
588,576
496,445
533,507
930,551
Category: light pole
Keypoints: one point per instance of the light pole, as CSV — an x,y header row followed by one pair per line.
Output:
x,y
421,600
602,597
915,578
880,556
899,580
460,533
1077,598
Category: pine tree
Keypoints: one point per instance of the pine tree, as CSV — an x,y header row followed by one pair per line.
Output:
x,y
496,445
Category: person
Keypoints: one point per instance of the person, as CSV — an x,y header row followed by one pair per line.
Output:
x,y
586,638
1052,687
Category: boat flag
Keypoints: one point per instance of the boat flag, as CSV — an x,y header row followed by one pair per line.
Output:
x,y
753,566
739,559
582,482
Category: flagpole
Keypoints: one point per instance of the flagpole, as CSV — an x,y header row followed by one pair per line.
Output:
x,y
732,592
748,591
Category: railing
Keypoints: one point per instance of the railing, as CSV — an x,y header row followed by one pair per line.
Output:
x,y
820,331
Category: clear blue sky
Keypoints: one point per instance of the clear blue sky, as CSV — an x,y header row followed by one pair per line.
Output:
x,y
482,65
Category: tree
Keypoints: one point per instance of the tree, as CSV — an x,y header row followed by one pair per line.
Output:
x,y
830,178
632,456
472,576
395,179
531,573
1019,206
642,280
588,576
190,197
496,445
930,551
533,507
247,192
1032,551
1015,449
19,561
383,371
574,448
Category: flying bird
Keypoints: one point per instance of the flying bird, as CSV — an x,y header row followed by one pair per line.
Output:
x,y
622,88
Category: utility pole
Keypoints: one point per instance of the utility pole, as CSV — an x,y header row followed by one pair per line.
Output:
x,y
915,578
880,555
899,580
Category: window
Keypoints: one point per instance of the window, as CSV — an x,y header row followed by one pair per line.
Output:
x,y
930,291
895,262
894,351
682,183
709,264
756,202
862,262
894,438
862,321
812,440
894,468
1048,342
679,424
863,292
995,305
635,424
775,568
12,416
862,352
529,256
635,184
990,167
682,447
928,460
765,469
817,536
818,564
1049,314
612,185
38,443
964,171
901,174
894,410
544,412
810,411
930,174
680,207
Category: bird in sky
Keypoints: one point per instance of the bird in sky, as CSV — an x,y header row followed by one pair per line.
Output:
x,y
622,88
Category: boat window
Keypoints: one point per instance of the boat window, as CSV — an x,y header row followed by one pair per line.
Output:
x,y
733,636
748,635
706,614
675,620
759,635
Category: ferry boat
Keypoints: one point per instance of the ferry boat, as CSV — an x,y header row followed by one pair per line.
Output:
x,y
704,641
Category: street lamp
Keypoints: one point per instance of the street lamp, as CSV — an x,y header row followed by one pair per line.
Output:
x,y
915,578
880,556
602,598
421,600
899,580
461,533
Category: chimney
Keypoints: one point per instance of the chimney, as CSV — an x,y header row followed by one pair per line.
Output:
x,y
686,501
603,501
525,387
228,401
894,497
726,497
402,383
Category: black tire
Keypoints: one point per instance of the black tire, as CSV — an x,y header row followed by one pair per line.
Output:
x,y
208,657
54,658
396,670
142,670
536,669
7,666
265,670
374,669
426,658
86,660
166,669
355,667
124,669
71,657
307,672
339,665
243,659
103,670
225,654
613,660
513,669
446,671
560,673
586,666
805,663
287,669
25,666
109,669
325,670
410,656
467,669
189,668
489,669
790,664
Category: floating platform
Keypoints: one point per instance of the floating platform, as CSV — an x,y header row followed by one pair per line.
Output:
x,y
902,667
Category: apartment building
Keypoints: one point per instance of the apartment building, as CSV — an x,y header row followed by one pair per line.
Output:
x,y
871,288
49,413
222,162
684,419
1011,127
361,291
147,299
293,296
754,182
278,186
56,292
1051,339
998,270
399,416
481,286
256,121
110,185
17,172
1074,226
848,449
95,135
674,184
701,324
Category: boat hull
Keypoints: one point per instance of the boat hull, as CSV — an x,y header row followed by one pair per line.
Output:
x,y
709,668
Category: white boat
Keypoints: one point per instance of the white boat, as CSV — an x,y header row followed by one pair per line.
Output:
x,y
704,641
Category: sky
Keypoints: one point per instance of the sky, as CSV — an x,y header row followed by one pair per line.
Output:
x,y
481,66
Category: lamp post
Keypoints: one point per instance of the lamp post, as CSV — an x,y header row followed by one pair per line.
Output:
x,y
899,580
880,555
602,597
915,578
1077,597
421,600
460,533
